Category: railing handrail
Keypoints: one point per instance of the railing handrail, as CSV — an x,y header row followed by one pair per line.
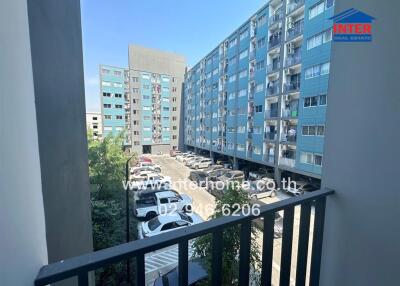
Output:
x,y
91,261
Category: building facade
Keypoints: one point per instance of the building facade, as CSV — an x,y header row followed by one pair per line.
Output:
x,y
112,98
154,100
94,123
261,95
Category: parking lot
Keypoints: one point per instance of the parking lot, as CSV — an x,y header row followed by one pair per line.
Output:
x,y
201,198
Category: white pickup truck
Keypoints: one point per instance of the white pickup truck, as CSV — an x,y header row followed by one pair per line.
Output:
x,y
162,203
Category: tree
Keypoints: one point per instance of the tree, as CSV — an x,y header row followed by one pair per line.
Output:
x,y
233,198
107,171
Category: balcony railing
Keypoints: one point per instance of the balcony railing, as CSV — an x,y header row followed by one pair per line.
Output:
x,y
294,5
269,158
273,89
293,60
274,41
288,138
80,266
273,67
296,30
289,113
289,162
270,136
271,113
292,86
275,18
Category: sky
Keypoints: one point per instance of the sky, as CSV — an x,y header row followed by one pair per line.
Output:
x,y
188,27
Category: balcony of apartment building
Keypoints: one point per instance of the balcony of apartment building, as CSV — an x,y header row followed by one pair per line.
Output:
x,y
223,49
269,153
274,66
292,77
272,108
276,16
252,89
293,56
293,5
275,38
290,105
273,87
295,29
271,131
287,156
288,131
252,69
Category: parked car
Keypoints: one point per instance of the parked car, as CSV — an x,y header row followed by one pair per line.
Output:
x,y
167,222
215,186
174,153
213,175
203,163
192,160
213,167
261,188
144,159
161,203
278,224
186,157
150,180
197,274
300,187
199,177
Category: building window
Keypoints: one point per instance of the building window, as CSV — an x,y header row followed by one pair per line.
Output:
x,y
316,9
231,95
322,99
106,94
232,78
145,76
117,73
232,43
232,61
107,117
146,86
215,71
174,128
259,87
258,129
135,79
105,71
146,108
117,84
146,96
118,106
107,105
165,89
146,128
243,73
165,108
242,92
243,35
174,89
94,117
107,128
240,147
165,79
174,99
313,130
261,43
118,117
319,39
106,83
317,70
173,108
135,90
259,108
118,95
260,65
241,129
262,20
256,150
173,118
243,54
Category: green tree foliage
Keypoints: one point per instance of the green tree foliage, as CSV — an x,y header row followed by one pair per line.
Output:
x,y
107,171
234,199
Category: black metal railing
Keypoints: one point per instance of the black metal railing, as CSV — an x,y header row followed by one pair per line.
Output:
x,y
293,60
296,30
80,266
292,86
273,67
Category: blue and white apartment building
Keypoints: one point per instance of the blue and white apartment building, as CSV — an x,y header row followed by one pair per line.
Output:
x,y
261,95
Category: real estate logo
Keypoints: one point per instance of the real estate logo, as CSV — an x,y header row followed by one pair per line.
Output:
x,y
352,25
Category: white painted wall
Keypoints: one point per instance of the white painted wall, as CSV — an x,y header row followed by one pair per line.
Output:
x,y
23,247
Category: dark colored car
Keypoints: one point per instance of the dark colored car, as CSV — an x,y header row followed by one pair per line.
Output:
x,y
196,274
199,177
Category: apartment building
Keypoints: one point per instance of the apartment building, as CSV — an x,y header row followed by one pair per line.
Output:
x,y
112,98
94,123
154,100
261,95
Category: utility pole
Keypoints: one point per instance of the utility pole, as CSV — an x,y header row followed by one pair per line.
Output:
x,y
128,266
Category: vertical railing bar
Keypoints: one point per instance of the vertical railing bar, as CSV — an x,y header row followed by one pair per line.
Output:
x,y
244,253
217,252
319,218
83,279
141,272
268,248
183,263
302,252
286,252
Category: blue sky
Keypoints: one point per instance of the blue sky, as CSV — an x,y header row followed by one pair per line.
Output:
x,y
188,27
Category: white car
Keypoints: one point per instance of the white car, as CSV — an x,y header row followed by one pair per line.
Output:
x,y
190,162
201,164
188,158
167,222
149,165
151,180
184,156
